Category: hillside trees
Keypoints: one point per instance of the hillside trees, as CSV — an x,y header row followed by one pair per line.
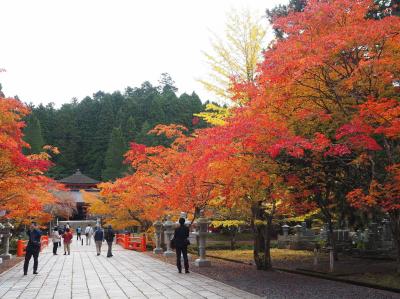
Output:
x,y
82,130
33,136
113,161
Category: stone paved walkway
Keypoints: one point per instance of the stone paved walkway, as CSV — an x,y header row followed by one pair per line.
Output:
x,y
128,274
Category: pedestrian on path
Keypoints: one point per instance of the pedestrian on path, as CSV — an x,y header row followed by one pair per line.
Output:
x,y
67,236
78,233
88,234
109,236
32,248
56,238
60,232
181,241
98,239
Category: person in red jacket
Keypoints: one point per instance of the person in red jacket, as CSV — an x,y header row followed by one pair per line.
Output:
x,y
67,236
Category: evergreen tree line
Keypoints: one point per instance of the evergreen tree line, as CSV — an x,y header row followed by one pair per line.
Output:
x,y
93,134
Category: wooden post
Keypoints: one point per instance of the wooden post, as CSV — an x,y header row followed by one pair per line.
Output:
x,y
21,246
126,241
143,243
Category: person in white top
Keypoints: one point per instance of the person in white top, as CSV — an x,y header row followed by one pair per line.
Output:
x,y
56,238
88,234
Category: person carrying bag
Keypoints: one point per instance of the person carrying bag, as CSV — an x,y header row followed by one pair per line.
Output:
x,y
180,242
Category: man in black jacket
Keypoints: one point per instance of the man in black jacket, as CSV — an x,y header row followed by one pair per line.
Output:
x,y
181,236
32,248
109,237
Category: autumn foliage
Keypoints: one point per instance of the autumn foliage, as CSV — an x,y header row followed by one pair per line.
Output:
x,y
24,189
319,133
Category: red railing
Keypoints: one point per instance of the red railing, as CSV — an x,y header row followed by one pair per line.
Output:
x,y
132,242
21,245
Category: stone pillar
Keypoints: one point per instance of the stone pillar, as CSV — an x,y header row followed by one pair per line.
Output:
x,y
331,259
158,227
298,230
202,224
169,231
387,234
6,232
285,229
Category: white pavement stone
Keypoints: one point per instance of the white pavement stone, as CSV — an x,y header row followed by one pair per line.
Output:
x,y
129,274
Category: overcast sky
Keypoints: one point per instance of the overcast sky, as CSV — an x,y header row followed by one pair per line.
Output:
x,y
56,50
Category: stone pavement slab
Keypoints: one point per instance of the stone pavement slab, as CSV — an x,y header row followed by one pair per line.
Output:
x,y
128,274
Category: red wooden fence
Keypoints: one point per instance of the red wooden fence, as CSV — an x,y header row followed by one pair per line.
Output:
x,y
131,242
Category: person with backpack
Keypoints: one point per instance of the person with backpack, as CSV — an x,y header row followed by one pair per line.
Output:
x,y
67,236
98,239
88,234
109,237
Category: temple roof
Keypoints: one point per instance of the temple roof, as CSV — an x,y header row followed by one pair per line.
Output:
x,y
78,178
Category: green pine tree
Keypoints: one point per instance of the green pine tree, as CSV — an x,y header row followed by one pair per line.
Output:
x,y
130,129
114,158
33,136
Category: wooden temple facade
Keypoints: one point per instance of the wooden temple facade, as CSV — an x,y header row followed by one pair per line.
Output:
x,y
75,183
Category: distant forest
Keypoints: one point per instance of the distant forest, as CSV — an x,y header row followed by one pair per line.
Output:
x,y
94,133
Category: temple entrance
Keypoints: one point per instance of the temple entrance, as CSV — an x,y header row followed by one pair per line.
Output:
x,y
75,183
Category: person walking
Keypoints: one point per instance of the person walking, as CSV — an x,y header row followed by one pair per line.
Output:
x,y
98,239
88,234
181,241
56,238
67,236
78,233
60,232
109,237
33,248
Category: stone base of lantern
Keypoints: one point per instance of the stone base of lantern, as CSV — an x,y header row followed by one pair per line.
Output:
x,y
157,250
202,263
6,256
189,258
169,253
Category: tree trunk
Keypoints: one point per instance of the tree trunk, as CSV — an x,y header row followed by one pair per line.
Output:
x,y
267,254
262,256
233,238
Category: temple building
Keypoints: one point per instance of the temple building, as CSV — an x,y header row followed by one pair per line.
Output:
x,y
75,183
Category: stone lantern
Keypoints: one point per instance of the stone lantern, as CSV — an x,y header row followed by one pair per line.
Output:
x,y
298,229
202,228
5,230
158,227
169,231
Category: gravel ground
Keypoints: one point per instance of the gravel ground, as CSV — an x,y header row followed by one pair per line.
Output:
x,y
276,284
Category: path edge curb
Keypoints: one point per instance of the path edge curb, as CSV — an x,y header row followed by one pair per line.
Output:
x,y
348,281
317,275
